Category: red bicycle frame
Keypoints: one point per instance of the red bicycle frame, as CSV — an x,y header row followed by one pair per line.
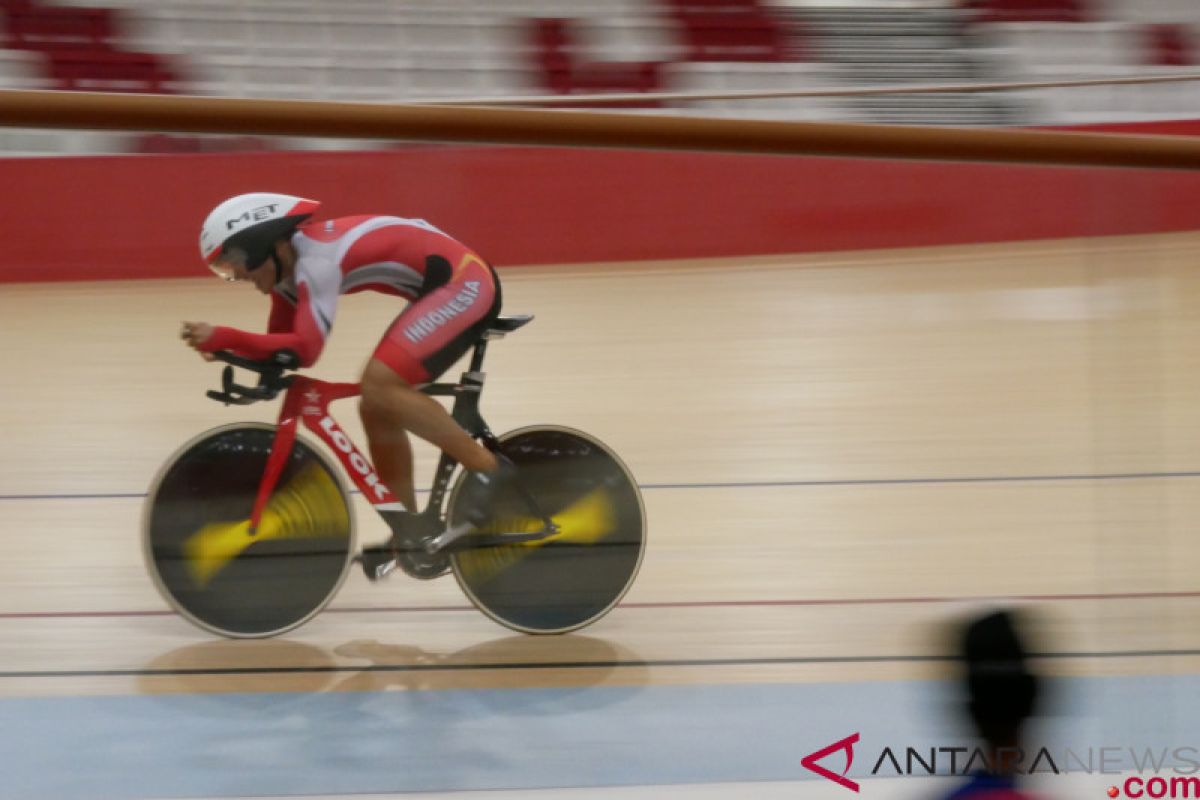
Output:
x,y
309,399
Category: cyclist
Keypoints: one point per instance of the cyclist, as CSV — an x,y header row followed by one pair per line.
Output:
x,y
271,241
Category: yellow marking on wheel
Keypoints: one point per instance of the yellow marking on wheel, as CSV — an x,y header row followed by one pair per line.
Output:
x,y
310,506
586,521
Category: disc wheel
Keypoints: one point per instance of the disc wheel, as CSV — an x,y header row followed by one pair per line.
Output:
x,y
575,577
211,568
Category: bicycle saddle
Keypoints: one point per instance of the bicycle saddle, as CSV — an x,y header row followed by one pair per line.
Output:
x,y
510,324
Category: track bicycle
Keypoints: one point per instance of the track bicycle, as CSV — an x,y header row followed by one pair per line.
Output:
x,y
248,529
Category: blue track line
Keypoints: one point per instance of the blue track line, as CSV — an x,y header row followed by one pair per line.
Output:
x,y
1118,476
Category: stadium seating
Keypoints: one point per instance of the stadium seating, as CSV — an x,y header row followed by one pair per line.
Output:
x,y
414,50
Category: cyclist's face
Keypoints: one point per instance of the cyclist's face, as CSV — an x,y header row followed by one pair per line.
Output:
x,y
234,269
263,277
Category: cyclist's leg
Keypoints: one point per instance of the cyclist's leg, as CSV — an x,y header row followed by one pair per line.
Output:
x,y
391,451
429,336
391,407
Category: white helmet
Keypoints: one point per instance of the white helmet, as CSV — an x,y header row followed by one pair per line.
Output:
x,y
247,227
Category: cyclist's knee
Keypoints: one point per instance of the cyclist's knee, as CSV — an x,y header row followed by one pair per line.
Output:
x,y
379,385
370,413
377,381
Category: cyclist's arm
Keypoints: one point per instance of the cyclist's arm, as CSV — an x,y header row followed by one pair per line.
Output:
x,y
294,329
283,314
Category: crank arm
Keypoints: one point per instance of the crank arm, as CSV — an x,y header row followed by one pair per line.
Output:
x,y
448,537
499,539
463,529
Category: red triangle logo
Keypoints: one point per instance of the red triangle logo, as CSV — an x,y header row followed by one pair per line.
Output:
x,y
847,744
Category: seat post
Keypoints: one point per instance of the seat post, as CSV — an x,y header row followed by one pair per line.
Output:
x,y
496,330
477,356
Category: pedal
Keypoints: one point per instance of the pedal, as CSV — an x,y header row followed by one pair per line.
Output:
x,y
480,490
378,562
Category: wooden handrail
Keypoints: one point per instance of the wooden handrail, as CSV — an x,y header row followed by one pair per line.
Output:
x,y
186,114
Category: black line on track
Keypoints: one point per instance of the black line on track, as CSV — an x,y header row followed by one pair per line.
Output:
x,y
830,601
1117,476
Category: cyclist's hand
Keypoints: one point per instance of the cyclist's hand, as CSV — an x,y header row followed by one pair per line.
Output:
x,y
196,334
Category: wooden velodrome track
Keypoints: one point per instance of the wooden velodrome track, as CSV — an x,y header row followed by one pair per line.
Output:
x,y
838,452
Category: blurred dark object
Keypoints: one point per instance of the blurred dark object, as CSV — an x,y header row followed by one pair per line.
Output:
x,y
1002,693
1002,690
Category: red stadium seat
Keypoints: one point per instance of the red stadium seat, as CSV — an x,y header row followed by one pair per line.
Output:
x,y
748,36
110,71
1169,46
1030,10
44,28
730,30
168,143
564,73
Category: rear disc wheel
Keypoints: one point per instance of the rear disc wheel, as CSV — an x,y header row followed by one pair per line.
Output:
x,y
576,576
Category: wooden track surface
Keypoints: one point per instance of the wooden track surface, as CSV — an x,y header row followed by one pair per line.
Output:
x,y
839,454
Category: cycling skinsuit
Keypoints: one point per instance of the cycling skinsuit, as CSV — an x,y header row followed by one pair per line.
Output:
x,y
453,294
